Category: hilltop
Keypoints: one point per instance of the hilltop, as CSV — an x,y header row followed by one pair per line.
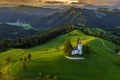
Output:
x,y
100,65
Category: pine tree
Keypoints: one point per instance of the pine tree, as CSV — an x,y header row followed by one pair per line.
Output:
x,y
67,47
78,41
29,56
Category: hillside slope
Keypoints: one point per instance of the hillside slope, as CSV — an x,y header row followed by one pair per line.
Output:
x,y
11,31
98,66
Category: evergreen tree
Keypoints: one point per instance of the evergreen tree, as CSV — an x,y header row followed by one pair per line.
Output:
x,y
67,47
77,41
29,56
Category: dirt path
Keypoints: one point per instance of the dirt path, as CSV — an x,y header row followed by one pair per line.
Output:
x,y
5,75
4,70
105,46
75,58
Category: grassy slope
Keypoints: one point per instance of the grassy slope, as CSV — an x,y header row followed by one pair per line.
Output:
x,y
98,66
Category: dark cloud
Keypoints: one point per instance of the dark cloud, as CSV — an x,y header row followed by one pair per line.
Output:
x,y
78,3
53,2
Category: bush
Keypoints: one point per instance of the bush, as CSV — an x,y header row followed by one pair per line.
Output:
x,y
48,76
87,50
55,78
8,59
21,59
117,50
40,74
118,60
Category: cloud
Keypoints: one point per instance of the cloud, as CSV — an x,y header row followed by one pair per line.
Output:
x,y
62,2
53,2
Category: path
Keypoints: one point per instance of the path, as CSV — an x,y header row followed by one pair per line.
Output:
x,y
75,58
105,46
5,75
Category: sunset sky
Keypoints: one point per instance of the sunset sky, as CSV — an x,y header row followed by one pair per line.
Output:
x,y
61,2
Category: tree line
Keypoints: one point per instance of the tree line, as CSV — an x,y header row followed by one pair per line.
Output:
x,y
103,35
36,39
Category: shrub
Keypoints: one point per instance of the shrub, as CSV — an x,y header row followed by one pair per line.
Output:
x,y
87,50
40,74
48,76
21,59
55,78
8,59
25,58
29,56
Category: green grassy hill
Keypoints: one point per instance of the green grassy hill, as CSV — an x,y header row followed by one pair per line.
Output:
x,y
45,59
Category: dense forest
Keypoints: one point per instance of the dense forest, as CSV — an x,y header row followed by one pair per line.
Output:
x,y
34,40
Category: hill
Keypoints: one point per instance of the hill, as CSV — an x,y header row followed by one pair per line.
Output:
x,y
100,65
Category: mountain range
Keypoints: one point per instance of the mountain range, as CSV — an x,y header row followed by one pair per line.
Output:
x,y
49,17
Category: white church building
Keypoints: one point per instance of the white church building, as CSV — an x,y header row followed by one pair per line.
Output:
x,y
78,49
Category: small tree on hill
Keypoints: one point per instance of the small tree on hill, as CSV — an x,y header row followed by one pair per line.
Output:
x,y
87,50
8,59
25,58
29,56
24,65
77,41
67,47
21,59
57,48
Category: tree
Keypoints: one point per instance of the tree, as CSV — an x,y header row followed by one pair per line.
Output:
x,y
87,50
24,65
21,59
29,56
57,48
67,47
77,41
8,59
25,58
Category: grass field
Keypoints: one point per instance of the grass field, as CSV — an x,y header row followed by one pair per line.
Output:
x,y
101,65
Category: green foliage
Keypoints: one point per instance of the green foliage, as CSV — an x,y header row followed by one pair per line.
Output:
x,y
29,56
118,60
87,50
8,59
21,59
48,76
55,78
40,74
117,50
67,47
57,48
25,58
24,65
34,40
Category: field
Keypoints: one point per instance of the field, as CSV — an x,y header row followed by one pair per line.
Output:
x,y
101,65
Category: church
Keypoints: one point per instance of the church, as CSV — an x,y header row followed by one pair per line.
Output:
x,y
78,49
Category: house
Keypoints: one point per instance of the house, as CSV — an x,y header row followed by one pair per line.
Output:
x,y
78,49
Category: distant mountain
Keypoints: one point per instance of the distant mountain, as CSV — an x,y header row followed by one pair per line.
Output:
x,y
96,6
10,31
23,13
86,17
45,18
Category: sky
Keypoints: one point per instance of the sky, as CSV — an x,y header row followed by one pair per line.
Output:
x,y
61,2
